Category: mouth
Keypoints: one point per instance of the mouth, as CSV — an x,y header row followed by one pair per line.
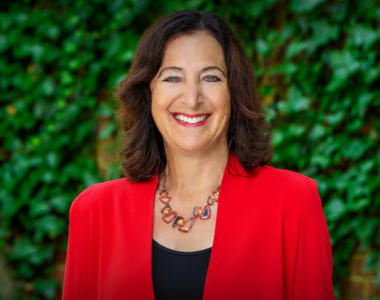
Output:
x,y
190,119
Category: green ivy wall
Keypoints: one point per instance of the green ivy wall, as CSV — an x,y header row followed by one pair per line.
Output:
x,y
317,65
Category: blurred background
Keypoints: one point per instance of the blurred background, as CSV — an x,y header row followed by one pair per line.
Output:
x,y
317,66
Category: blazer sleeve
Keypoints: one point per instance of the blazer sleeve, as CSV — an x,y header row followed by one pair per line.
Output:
x,y
314,263
75,284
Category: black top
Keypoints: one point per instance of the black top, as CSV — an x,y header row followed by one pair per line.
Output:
x,y
179,275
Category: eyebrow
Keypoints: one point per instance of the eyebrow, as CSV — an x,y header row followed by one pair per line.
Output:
x,y
169,68
203,70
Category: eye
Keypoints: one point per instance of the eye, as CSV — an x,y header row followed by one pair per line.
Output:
x,y
212,78
172,79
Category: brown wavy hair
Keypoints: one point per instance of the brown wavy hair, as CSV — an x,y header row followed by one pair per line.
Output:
x,y
249,135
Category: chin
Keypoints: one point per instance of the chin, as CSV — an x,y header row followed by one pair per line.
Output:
x,y
193,147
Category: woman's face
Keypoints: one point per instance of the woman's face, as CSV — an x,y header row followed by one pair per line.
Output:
x,y
190,98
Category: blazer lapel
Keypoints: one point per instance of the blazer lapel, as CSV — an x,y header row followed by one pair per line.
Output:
x,y
140,248
226,255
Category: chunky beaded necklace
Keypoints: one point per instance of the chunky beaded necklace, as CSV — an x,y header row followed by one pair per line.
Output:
x,y
171,216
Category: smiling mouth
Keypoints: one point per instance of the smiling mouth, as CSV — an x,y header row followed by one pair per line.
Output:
x,y
189,120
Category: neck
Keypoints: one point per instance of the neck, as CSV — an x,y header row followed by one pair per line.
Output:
x,y
188,174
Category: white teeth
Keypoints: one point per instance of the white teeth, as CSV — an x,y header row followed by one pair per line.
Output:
x,y
194,120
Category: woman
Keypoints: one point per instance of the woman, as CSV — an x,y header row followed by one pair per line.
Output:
x,y
200,214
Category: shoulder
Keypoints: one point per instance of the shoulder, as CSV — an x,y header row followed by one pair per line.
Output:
x,y
292,187
286,177
108,186
99,195
109,195
269,180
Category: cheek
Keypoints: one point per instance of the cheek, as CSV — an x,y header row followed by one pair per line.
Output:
x,y
156,108
221,99
161,96
225,108
159,106
158,101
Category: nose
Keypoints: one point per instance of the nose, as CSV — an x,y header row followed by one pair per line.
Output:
x,y
192,95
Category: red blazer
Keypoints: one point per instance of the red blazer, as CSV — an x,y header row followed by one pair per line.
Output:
x,y
271,240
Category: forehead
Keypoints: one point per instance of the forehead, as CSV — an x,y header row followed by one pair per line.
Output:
x,y
197,49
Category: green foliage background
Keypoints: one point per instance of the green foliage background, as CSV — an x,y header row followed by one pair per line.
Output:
x,y
317,65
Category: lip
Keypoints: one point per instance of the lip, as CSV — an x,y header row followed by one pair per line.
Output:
x,y
191,116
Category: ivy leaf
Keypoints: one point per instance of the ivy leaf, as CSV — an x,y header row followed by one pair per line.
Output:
x,y
295,48
50,225
48,86
334,209
364,35
300,6
89,179
354,149
323,32
297,102
262,47
107,131
358,205
3,43
365,228
38,208
47,288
